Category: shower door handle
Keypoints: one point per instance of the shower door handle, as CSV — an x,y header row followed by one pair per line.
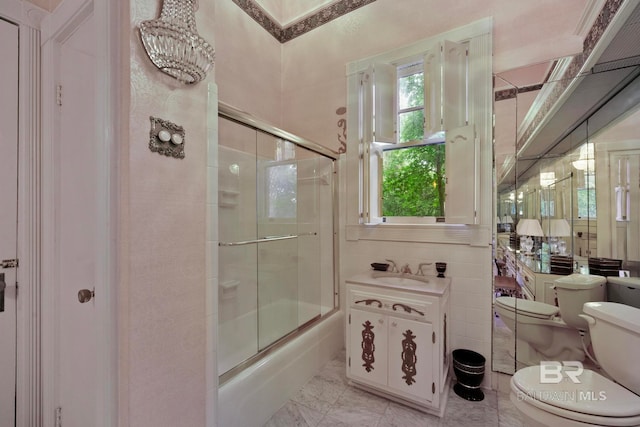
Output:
x,y
3,286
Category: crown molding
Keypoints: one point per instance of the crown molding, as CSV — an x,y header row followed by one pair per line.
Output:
x,y
295,29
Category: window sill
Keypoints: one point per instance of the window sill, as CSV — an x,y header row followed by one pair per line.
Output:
x,y
473,235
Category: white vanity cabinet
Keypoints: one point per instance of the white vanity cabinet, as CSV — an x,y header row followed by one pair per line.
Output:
x,y
397,340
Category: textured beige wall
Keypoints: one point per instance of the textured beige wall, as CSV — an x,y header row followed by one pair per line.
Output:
x,y
314,64
162,292
248,65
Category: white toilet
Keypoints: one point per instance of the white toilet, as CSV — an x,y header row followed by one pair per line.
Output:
x,y
547,332
588,398
541,333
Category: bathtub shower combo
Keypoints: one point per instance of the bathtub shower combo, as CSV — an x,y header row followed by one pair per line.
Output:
x,y
277,246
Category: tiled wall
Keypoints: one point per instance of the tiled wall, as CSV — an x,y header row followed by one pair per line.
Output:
x,y
470,272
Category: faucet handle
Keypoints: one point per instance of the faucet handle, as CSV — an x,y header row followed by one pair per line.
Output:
x,y
422,264
394,267
406,269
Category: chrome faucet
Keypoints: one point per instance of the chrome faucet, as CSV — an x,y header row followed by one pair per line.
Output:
x,y
406,269
393,267
420,272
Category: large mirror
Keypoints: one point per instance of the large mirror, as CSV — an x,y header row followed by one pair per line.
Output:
x,y
567,170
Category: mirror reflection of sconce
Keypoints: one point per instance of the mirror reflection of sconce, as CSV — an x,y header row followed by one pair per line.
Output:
x,y
173,43
586,160
547,179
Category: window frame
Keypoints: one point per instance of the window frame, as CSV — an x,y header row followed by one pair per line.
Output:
x,y
479,36
432,64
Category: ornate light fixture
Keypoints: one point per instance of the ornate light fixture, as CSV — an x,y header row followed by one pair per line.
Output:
x,y
586,160
173,43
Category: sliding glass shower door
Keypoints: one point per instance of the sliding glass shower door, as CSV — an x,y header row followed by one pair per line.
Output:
x,y
276,239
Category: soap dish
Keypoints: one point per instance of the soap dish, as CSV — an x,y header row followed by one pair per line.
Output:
x,y
380,266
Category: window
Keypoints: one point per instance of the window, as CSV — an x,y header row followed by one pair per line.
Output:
x,y
282,190
280,181
409,150
418,148
586,197
411,102
413,169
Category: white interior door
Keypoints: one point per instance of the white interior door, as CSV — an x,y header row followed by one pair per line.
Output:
x,y
75,193
8,217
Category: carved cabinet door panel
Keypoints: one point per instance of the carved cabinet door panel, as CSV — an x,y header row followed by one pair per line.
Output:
x,y
368,346
411,357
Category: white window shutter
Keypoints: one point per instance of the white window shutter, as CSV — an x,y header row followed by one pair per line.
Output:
x,y
461,175
370,156
385,110
375,184
454,86
432,93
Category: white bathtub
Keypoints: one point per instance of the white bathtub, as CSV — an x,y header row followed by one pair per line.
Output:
x,y
250,398
238,336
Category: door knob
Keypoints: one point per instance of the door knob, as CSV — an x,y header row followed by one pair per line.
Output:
x,y
85,295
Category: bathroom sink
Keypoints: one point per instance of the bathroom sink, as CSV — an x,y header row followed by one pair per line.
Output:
x,y
401,280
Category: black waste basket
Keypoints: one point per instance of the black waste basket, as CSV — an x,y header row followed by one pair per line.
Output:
x,y
469,369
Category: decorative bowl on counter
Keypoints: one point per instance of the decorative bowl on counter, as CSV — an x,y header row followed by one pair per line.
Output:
x,y
380,266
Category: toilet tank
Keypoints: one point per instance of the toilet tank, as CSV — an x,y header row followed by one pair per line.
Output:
x,y
615,335
625,290
573,291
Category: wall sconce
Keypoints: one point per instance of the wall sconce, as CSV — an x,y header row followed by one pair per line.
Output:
x,y
173,43
586,160
547,178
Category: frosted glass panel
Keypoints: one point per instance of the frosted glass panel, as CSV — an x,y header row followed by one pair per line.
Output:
x,y
238,275
276,240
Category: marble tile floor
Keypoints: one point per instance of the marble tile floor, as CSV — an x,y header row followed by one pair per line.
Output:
x,y
503,342
328,400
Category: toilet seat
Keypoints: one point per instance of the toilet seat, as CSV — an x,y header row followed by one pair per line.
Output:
x,y
595,400
536,309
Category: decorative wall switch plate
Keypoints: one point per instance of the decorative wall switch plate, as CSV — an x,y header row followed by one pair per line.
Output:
x,y
166,138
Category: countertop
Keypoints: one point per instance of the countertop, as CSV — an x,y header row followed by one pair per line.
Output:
x,y
436,286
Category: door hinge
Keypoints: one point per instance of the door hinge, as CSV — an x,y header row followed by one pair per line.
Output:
x,y
9,263
433,337
59,94
58,415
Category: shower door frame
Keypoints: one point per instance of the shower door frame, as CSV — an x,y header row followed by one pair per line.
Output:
x,y
228,112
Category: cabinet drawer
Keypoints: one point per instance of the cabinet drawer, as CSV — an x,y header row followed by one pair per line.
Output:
x,y
398,305
528,280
